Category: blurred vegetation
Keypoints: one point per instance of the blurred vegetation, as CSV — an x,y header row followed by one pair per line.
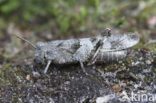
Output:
x,y
63,16
61,19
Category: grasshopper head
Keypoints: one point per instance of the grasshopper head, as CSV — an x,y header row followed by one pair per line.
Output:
x,y
40,52
106,32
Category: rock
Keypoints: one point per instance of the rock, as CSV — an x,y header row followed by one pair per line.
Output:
x,y
105,98
36,74
28,77
151,22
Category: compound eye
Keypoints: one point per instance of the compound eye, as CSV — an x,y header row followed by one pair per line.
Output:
x,y
40,44
106,32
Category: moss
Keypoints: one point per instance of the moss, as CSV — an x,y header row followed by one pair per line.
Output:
x,y
138,46
15,99
154,69
152,47
4,76
1,58
110,67
11,75
145,79
154,58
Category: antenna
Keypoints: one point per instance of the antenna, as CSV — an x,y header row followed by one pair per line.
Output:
x,y
25,40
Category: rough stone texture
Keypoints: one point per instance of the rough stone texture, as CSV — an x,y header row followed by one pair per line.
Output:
x,y
68,84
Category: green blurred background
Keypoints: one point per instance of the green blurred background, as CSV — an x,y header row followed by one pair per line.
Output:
x,y
64,16
47,20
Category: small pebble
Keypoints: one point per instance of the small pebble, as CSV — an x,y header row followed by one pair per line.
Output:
x,y
151,22
28,77
148,62
116,87
36,74
105,99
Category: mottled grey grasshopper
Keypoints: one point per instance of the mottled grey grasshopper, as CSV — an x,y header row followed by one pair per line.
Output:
x,y
102,48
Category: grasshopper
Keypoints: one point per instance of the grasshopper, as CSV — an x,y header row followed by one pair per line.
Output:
x,y
100,49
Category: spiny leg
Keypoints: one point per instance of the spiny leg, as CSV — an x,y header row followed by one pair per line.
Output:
x,y
106,33
46,68
93,60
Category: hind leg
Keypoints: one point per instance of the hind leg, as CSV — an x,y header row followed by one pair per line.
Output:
x,y
103,37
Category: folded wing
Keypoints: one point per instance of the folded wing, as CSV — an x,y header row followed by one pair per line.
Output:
x,y
120,42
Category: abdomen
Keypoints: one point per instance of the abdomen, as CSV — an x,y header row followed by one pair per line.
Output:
x,y
108,56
